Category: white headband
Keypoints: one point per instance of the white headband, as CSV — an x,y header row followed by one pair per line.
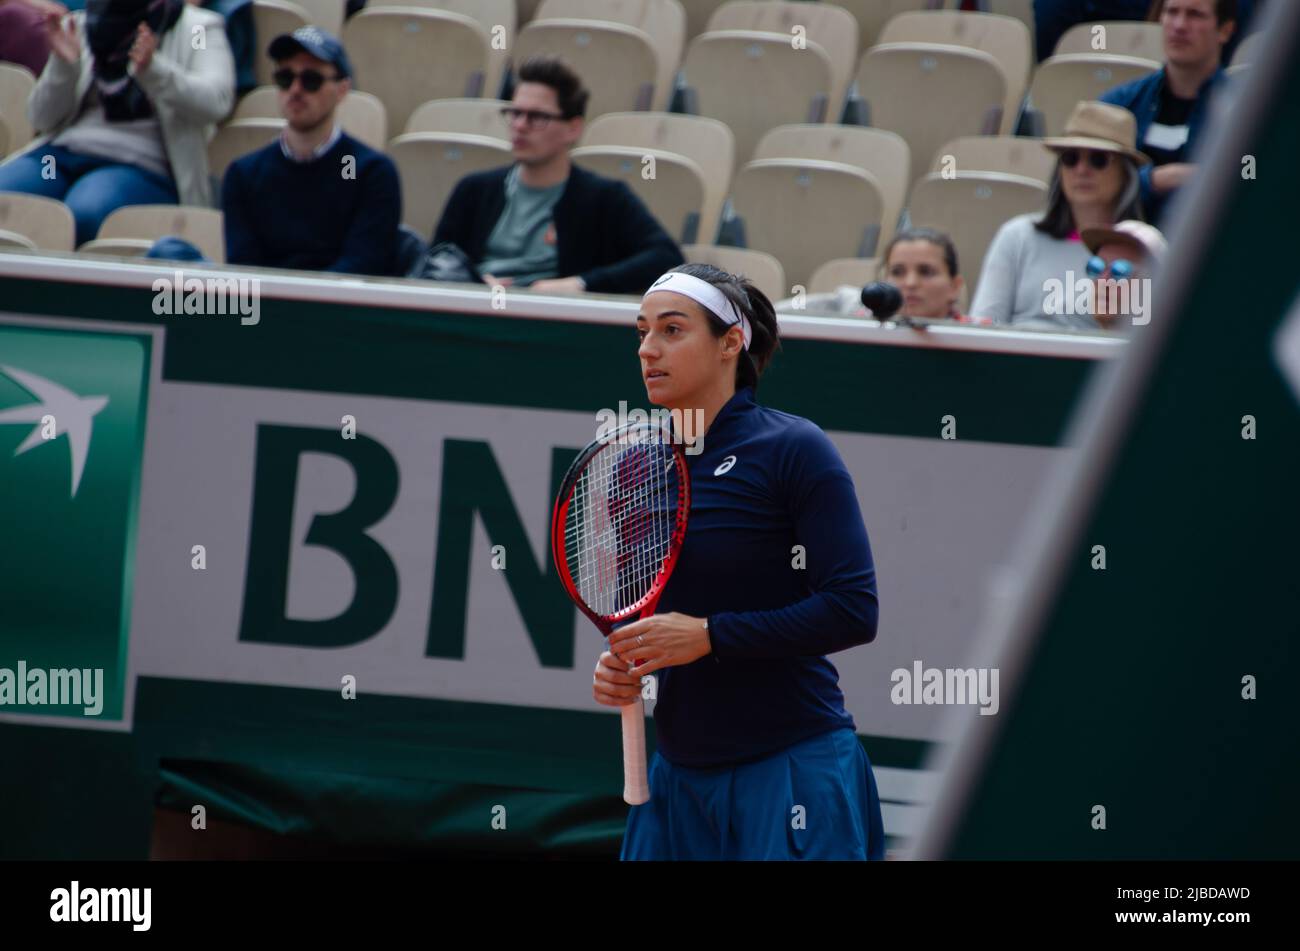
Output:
x,y
707,296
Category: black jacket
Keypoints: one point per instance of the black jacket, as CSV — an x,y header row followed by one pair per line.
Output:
x,y
604,234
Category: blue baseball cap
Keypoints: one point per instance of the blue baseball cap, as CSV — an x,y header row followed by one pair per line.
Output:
x,y
313,40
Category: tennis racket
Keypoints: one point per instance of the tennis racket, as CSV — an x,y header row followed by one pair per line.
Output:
x,y
616,531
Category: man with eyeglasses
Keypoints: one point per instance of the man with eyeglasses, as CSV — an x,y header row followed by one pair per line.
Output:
x,y
545,223
316,199
1172,104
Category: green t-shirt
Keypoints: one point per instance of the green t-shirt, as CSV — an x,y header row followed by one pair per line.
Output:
x,y
517,247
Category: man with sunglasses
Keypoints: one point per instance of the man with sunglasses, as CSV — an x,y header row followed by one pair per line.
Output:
x,y
545,223
316,199
1172,104
1127,253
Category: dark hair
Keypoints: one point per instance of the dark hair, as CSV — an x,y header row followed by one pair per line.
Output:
x,y
556,73
758,310
1058,220
1224,10
933,236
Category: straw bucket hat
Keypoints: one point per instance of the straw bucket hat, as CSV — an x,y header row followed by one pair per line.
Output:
x,y
1099,126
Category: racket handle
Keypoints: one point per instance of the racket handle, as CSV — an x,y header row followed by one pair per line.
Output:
x,y
635,788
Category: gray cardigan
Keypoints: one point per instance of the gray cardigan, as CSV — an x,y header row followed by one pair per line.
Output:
x,y
1019,263
191,90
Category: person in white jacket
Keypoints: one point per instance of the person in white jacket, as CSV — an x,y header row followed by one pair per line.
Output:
x,y
126,105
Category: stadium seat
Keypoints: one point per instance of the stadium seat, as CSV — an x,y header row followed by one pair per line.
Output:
x,y
361,114
1009,154
116,247
754,82
16,85
759,266
467,116
664,21
11,241
872,15
270,19
393,49
430,165
46,223
326,14
807,212
706,142
499,20
1022,10
831,27
617,63
238,138
928,93
855,272
201,227
971,208
4,137
1121,38
1004,38
884,154
1061,82
675,195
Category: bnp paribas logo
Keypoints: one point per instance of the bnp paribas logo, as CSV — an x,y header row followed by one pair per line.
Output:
x,y
72,421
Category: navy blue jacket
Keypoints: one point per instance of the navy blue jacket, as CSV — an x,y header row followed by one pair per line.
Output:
x,y
765,482
1142,98
603,233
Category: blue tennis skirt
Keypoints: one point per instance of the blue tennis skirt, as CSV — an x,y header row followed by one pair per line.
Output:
x,y
816,799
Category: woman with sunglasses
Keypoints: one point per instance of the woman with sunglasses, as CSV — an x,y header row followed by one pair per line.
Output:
x,y
1095,184
127,104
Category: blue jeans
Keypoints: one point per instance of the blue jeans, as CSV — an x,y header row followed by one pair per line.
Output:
x,y
92,187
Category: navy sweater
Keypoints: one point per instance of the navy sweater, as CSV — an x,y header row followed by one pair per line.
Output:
x,y
308,216
766,685
603,233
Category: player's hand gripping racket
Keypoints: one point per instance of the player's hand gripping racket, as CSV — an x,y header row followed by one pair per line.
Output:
x,y
616,531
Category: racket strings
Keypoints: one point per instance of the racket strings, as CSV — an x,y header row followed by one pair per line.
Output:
x,y
619,526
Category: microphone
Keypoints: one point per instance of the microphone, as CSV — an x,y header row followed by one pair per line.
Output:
x,y
882,299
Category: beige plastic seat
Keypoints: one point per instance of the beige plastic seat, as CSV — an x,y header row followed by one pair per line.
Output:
x,y
698,13
407,56
675,194
928,94
882,153
617,63
16,85
759,266
1061,82
756,81
664,21
326,14
47,223
830,27
856,272
872,15
361,114
270,19
1120,38
201,227
807,212
971,208
707,142
430,165
13,241
467,116
1022,10
1009,154
4,137
499,20
238,138
1004,38
116,247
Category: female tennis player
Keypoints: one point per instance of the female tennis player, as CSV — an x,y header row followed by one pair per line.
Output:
x,y
757,757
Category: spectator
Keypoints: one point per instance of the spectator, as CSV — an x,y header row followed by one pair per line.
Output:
x,y
1172,104
1094,185
1246,12
545,223
1052,18
127,104
316,199
922,264
1128,252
